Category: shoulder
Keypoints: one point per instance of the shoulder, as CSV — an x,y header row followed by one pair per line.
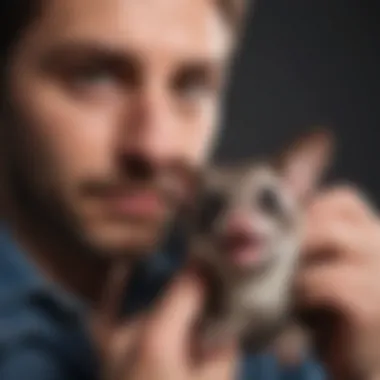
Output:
x,y
309,369
25,307
39,337
25,361
38,342
265,367
313,370
27,341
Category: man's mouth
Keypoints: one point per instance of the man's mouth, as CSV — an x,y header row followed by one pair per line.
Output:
x,y
140,204
146,202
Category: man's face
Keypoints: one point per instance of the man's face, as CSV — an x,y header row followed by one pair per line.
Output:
x,y
113,104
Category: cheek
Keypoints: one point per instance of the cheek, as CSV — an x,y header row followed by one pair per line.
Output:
x,y
199,135
279,236
266,226
71,139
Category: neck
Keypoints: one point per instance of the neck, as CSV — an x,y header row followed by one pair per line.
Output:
x,y
60,261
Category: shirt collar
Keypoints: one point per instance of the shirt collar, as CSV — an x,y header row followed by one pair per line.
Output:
x,y
19,275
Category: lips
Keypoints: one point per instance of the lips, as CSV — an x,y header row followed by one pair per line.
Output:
x,y
142,204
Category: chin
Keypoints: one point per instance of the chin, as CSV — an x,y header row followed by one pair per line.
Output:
x,y
126,240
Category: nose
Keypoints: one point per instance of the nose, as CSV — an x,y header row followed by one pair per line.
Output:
x,y
149,128
138,166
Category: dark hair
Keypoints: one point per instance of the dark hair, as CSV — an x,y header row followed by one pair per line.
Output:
x,y
235,12
16,15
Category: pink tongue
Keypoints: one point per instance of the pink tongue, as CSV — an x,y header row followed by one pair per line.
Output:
x,y
242,249
242,245
244,256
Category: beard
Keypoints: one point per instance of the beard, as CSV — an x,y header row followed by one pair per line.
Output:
x,y
55,205
43,203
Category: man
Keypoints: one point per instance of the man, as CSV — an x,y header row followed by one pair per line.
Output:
x,y
108,106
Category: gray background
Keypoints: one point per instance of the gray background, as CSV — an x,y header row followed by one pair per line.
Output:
x,y
306,63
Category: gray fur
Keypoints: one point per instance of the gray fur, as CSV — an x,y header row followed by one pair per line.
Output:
x,y
254,302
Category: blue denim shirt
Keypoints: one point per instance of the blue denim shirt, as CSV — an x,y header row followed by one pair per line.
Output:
x,y
43,333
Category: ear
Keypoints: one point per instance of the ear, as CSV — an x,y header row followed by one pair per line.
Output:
x,y
305,161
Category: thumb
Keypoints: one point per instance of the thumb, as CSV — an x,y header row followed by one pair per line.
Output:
x,y
221,364
173,320
120,352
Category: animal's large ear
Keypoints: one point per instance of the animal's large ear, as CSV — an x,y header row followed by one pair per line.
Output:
x,y
304,162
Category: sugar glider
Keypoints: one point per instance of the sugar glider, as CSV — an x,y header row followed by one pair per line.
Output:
x,y
246,231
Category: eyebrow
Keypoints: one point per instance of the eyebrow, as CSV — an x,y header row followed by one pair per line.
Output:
x,y
63,52
69,51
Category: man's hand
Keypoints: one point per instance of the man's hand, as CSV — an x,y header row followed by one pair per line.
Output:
x,y
162,345
341,275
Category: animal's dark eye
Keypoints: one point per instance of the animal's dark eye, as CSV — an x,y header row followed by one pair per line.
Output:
x,y
269,201
211,205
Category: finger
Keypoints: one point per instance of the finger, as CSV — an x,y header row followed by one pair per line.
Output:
x,y
329,300
323,296
335,240
119,355
114,347
330,286
344,202
220,364
126,336
342,290
125,349
173,320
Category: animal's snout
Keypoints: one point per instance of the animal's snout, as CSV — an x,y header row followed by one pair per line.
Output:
x,y
238,224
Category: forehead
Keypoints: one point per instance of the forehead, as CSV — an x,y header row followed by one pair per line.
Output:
x,y
242,179
184,28
261,176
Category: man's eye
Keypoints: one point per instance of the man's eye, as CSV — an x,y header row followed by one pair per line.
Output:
x,y
93,82
194,91
192,86
92,76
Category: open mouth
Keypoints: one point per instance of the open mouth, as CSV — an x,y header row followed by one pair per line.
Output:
x,y
243,249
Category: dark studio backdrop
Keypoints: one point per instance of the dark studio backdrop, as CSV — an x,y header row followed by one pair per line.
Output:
x,y
306,63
